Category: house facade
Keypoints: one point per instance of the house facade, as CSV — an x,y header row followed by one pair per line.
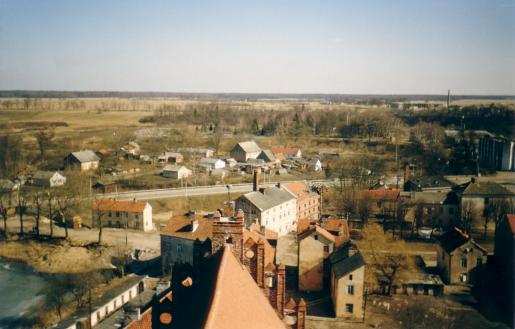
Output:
x,y
212,163
113,213
243,151
176,172
347,283
48,179
459,257
308,201
315,246
170,157
85,160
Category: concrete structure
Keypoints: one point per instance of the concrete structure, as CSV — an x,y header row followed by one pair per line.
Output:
x,y
271,207
48,179
497,153
176,172
131,214
243,151
315,246
85,160
459,257
347,282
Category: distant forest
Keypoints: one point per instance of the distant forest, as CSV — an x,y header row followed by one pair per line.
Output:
x,y
371,98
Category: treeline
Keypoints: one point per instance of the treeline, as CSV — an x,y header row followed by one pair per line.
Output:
x,y
495,118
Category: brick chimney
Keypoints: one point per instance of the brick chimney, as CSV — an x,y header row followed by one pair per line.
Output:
x,y
255,182
301,314
281,288
260,263
228,209
406,172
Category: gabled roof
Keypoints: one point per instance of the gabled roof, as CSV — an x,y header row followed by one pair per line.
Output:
x,y
299,189
348,264
421,182
267,156
271,197
251,238
181,227
209,160
122,206
454,239
237,301
44,175
269,234
85,156
318,230
171,167
510,218
486,189
249,146
382,195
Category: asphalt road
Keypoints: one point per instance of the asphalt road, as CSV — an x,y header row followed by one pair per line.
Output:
x,y
190,191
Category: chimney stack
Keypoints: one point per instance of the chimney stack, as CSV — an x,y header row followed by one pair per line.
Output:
x,y
301,314
406,172
255,185
281,288
260,263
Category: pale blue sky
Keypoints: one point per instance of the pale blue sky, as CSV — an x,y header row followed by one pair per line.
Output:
x,y
303,46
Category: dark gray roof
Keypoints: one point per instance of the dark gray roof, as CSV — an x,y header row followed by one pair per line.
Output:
x,y
41,174
421,182
271,197
85,156
249,146
348,265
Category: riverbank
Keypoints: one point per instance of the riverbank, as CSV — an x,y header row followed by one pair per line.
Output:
x,y
55,256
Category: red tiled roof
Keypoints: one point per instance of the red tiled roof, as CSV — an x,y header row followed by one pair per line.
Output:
x,y
382,195
303,224
180,227
237,301
328,236
269,234
117,205
511,222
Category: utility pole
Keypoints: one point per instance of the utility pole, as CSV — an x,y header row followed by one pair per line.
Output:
x,y
448,98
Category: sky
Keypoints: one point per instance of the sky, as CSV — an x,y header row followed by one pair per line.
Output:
x,y
301,46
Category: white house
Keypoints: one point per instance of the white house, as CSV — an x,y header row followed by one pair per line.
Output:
x,y
212,163
113,213
48,179
315,165
176,172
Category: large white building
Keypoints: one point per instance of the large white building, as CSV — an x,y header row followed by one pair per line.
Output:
x,y
271,207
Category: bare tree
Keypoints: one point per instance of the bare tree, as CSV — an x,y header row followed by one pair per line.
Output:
x,y
4,212
55,294
64,208
50,202
98,217
38,204
494,210
364,207
469,214
44,140
21,208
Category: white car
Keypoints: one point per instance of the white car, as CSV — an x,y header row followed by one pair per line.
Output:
x,y
425,232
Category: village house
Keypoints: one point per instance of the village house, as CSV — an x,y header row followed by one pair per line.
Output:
x,y
315,246
184,239
243,151
48,179
114,213
170,157
435,209
86,160
176,172
348,282
288,152
478,194
212,163
271,207
105,185
427,184
129,150
314,165
459,256
383,203
268,157
308,201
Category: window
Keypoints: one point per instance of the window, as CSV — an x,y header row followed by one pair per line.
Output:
x,y
117,214
349,308
179,248
326,248
350,290
464,262
109,214
479,261
350,277
316,237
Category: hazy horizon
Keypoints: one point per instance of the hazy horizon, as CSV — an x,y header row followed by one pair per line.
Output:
x,y
302,47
